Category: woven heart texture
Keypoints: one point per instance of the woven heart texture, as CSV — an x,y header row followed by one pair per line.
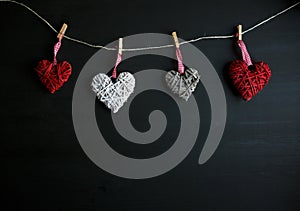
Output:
x,y
53,76
113,95
249,80
183,84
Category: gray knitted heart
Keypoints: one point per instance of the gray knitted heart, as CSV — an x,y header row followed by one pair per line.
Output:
x,y
184,84
113,95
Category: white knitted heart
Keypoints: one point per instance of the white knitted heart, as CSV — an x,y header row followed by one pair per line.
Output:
x,y
113,95
184,84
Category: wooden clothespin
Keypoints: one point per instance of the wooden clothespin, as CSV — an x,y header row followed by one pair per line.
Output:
x,y
240,31
175,39
120,46
62,31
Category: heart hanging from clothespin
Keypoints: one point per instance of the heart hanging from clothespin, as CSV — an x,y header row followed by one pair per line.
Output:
x,y
248,78
114,94
54,74
182,82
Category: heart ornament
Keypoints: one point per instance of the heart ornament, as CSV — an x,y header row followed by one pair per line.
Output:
x,y
183,84
53,76
248,77
249,80
113,95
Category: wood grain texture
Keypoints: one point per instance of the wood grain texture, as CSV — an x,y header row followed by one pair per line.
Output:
x,y
256,166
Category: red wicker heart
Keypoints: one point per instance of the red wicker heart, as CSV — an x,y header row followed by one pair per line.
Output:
x,y
249,82
53,76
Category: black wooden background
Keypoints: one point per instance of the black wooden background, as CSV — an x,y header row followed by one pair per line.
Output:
x,y
43,167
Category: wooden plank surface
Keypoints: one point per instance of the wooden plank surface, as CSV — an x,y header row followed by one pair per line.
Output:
x,y
256,166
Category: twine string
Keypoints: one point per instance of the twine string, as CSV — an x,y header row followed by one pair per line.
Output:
x,y
153,47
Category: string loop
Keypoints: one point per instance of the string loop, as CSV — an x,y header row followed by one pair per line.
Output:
x,y
119,58
178,54
56,49
180,63
245,54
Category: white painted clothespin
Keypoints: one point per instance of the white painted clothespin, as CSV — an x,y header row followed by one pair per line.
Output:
x,y
240,32
120,46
